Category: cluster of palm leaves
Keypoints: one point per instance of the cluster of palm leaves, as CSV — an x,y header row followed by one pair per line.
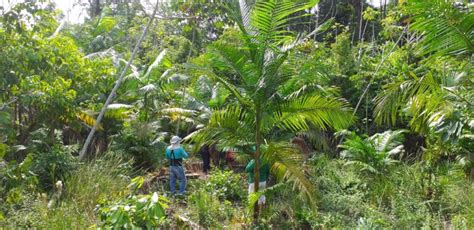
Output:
x,y
437,101
447,27
264,112
375,153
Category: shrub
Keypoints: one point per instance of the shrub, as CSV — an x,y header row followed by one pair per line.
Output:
x,y
225,185
350,199
16,180
141,211
341,193
137,141
54,165
135,211
208,210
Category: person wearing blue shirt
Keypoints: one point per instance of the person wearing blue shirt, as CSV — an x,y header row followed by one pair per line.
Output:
x,y
175,154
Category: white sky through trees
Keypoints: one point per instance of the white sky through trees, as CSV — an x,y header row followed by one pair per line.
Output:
x,y
75,11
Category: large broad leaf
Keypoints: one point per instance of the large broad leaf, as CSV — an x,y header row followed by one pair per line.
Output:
x,y
388,140
118,111
178,78
148,88
3,150
88,119
119,106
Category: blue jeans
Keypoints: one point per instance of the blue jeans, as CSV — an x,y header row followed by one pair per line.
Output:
x,y
177,172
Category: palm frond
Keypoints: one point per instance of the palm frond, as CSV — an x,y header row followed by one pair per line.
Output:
x,y
286,164
231,126
388,140
430,103
374,153
236,60
245,13
296,114
274,75
300,38
446,29
396,95
233,89
155,63
270,19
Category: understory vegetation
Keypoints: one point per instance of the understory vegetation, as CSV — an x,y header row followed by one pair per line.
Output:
x,y
364,114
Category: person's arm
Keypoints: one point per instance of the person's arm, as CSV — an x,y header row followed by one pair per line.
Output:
x,y
185,154
250,166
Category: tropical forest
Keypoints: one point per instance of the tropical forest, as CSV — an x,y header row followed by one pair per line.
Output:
x,y
237,114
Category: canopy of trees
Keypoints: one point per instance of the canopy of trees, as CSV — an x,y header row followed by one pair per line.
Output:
x,y
364,114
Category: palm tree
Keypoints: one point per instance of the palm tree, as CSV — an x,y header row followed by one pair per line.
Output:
x,y
375,153
258,77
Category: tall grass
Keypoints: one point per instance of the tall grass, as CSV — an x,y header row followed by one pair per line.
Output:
x,y
102,179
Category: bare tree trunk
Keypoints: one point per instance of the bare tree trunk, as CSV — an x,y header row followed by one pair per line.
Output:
x,y
94,8
16,118
256,169
111,96
361,20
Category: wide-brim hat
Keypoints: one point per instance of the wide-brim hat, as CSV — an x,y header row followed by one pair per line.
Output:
x,y
175,140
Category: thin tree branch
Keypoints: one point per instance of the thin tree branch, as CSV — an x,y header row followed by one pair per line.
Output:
x,y
175,17
8,103
376,71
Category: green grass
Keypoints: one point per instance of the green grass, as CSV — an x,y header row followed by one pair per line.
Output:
x,y
103,179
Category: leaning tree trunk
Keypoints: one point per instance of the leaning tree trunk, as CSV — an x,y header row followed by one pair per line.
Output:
x,y
111,96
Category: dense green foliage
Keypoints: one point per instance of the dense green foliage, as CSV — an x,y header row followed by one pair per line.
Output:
x,y
364,113
136,211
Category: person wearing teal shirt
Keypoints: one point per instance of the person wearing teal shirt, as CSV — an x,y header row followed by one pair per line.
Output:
x,y
263,176
175,153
